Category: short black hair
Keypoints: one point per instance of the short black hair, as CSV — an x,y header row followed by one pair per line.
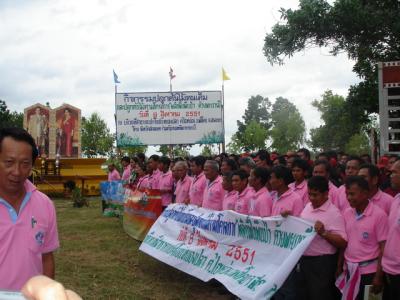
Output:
x,y
241,173
141,156
318,183
135,159
264,155
358,180
154,157
325,163
281,159
126,159
231,163
282,172
356,158
300,163
306,152
373,170
228,175
165,160
20,135
261,173
199,160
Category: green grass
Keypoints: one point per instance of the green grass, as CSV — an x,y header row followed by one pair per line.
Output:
x,y
98,260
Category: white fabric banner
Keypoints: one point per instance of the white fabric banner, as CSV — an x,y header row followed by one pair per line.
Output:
x,y
251,256
166,118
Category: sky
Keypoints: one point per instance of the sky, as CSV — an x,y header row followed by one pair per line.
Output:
x,y
63,51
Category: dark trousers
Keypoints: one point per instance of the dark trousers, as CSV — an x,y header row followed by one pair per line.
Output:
x,y
366,279
392,287
316,278
288,289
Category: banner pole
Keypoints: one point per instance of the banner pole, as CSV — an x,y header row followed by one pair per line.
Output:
x,y
223,117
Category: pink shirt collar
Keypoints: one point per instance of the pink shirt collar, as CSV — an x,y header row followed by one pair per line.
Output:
x,y
260,191
323,207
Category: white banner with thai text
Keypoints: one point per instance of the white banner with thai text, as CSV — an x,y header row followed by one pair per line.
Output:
x,y
251,256
166,118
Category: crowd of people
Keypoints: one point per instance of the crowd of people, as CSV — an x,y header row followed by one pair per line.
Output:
x,y
354,203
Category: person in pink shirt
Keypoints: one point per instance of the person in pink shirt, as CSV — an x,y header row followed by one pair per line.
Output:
x,y
323,168
318,265
352,167
261,203
183,185
142,177
165,182
214,192
366,229
300,169
391,254
155,173
376,196
285,202
28,226
113,174
230,196
126,174
199,180
244,192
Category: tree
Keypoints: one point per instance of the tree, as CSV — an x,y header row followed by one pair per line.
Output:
x,y
234,146
10,119
164,150
288,131
207,151
96,137
257,110
340,123
358,144
254,136
368,31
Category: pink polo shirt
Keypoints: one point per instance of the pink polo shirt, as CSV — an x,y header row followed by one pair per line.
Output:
x,y
214,194
261,203
154,179
391,255
301,190
25,237
363,234
229,200
243,199
340,199
383,200
197,189
143,183
333,222
182,189
126,174
288,201
113,175
166,182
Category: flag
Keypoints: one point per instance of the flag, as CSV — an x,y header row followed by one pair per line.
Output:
x,y
116,78
224,75
171,73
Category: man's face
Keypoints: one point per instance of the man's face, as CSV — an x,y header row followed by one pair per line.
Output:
x,y
365,174
302,155
317,198
289,161
395,175
226,183
252,179
356,196
352,168
209,171
175,173
298,174
238,184
15,165
245,168
153,164
181,171
196,170
343,159
391,162
275,182
319,170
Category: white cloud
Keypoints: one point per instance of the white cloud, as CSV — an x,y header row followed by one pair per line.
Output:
x,y
64,51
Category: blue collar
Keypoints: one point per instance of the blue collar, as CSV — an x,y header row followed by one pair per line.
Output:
x,y
11,211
